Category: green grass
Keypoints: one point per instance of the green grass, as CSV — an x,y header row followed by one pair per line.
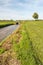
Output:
x,y
4,23
2,50
30,49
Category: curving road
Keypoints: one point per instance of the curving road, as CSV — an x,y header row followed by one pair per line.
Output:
x,y
4,32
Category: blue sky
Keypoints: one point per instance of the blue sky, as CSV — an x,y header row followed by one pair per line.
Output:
x,y
20,9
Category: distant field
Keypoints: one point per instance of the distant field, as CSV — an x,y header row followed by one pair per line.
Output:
x,y
6,23
27,43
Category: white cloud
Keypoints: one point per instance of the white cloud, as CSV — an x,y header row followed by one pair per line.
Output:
x,y
4,3
19,9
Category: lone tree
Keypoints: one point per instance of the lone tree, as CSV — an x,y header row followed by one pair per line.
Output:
x,y
35,16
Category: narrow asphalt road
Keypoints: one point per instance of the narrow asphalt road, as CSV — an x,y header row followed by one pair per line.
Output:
x,y
4,32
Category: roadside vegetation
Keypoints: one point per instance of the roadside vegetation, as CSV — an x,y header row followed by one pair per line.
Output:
x,y
26,44
4,23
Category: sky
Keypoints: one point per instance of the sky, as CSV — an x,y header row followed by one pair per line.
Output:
x,y
20,9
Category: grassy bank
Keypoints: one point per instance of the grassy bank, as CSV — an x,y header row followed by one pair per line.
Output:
x,y
29,49
5,23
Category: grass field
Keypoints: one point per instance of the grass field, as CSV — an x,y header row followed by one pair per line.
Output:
x,y
27,43
30,48
4,23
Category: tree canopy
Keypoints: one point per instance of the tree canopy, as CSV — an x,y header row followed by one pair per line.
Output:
x,y
35,16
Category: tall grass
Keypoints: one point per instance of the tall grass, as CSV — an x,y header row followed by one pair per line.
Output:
x,y
29,49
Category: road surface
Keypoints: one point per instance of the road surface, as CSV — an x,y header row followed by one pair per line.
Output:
x,y
4,32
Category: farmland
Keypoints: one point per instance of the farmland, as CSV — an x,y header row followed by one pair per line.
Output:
x,y
26,43
4,23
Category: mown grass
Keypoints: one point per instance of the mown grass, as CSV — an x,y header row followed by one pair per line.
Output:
x,y
4,23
